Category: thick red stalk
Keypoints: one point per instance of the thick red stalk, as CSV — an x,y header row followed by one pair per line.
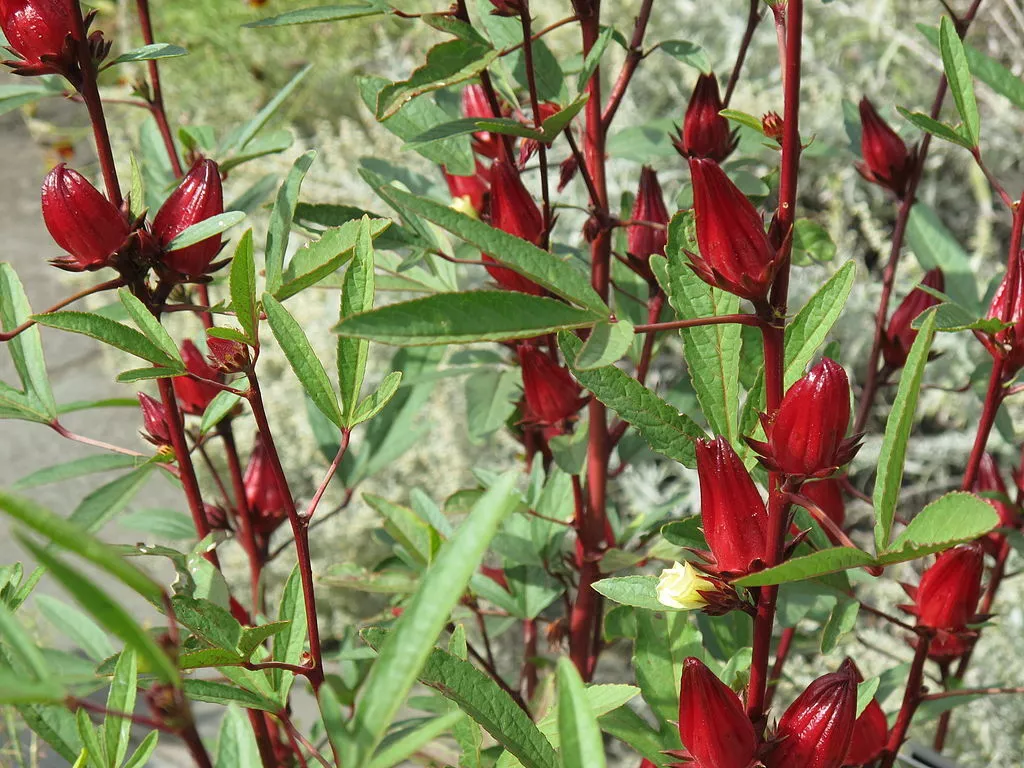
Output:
x,y
633,58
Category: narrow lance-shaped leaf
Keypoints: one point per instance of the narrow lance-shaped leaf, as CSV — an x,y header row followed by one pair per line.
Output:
x,y
356,296
150,326
578,731
26,348
958,73
117,730
281,219
109,332
243,286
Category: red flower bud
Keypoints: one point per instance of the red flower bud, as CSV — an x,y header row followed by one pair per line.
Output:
x,y
705,133
1008,306
476,104
507,7
735,253
226,355
193,395
36,30
551,393
816,730
806,435
197,198
900,335
828,495
870,732
154,417
514,211
713,726
990,480
474,188
947,596
530,146
887,162
734,516
645,241
266,504
773,125
81,220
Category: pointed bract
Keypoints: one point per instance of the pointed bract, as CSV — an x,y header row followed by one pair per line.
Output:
x,y
645,241
550,392
513,210
735,253
193,395
900,334
887,161
806,436
713,726
734,516
198,197
81,220
705,133
817,729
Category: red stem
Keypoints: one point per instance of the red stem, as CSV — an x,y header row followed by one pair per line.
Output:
x,y
187,472
528,674
531,81
633,59
781,654
753,19
247,536
156,100
911,699
107,286
654,306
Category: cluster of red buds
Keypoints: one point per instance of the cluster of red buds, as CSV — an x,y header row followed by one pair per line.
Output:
x,y
887,161
820,729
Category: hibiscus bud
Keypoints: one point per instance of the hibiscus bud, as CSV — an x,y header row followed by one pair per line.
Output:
x,y
870,732
476,104
470,192
887,162
81,220
262,494
828,495
735,253
154,417
36,29
1008,306
772,125
806,435
507,7
947,596
193,395
683,588
712,723
816,730
226,355
645,241
705,133
551,393
197,198
734,516
514,211
527,149
990,480
899,336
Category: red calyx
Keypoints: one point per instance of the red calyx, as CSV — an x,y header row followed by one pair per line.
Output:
x,y
529,146
900,335
806,435
227,356
713,726
193,395
476,104
991,480
644,241
154,417
198,197
266,504
38,32
1008,305
705,133
828,495
513,210
735,253
947,596
81,220
549,390
734,516
474,188
870,732
887,161
817,729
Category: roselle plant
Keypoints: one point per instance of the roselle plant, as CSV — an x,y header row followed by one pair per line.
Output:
x,y
569,322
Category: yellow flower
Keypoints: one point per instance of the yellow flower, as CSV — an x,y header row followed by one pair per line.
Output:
x,y
679,587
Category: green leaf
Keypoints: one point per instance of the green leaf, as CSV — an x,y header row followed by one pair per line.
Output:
x,y
988,70
417,537
632,729
335,722
663,641
243,286
222,404
281,220
109,332
319,259
812,243
165,523
579,733
447,64
356,297
713,351
321,15
137,190
606,344
866,693
688,53
78,627
26,348
108,612
236,744
205,229
375,402
558,276
224,694
743,118
93,748
841,621
150,326
958,73
238,141
107,501
75,538
117,730
929,125
666,431
144,751
149,52
69,470
54,724
893,453
483,700
935,246
290,643
637,591
303,360
21,645
15,689
809,566
593,58
412,741
952,519
408,648
464,318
